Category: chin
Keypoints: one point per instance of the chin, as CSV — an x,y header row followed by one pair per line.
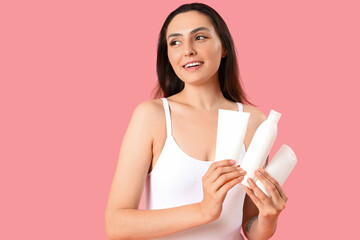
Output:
x,y
195,80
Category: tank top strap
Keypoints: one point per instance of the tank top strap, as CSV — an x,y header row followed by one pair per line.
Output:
x,y
167,117
241,108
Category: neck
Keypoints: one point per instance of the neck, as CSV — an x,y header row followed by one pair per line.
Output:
x,y
205,96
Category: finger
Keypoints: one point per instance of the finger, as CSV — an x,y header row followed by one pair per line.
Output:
x,y
224,178
224,170
269,186
253,197
259,193
217,164
273,181
227,186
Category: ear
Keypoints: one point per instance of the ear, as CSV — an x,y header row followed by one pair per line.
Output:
x,y
223,54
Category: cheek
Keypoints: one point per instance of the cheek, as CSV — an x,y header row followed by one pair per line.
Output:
x,y
217,51
212,51
174,57
215,55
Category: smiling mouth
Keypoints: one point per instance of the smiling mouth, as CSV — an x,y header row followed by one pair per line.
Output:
x,y
193,65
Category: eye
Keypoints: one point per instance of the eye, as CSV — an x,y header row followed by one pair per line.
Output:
x,y
174,43
200,37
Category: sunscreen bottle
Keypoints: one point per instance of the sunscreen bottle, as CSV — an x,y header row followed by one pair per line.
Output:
x,y
280,166
260,146
230,134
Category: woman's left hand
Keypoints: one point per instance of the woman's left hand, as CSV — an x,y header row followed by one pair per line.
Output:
x,y
269,206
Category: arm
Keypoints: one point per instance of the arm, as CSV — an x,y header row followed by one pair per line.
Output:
x,y
151,224
123,220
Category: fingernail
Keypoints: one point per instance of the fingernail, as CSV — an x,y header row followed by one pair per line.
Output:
x,y
232,161
239,168
251,182
242,172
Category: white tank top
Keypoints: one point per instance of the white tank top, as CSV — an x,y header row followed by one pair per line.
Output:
x,y
176,180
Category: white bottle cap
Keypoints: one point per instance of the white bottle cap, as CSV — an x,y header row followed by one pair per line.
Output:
x,y
274,116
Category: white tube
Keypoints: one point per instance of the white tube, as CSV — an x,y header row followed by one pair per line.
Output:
x,y
280,166
230,135
260,146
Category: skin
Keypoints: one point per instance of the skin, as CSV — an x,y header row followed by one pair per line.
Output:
x,y
197,103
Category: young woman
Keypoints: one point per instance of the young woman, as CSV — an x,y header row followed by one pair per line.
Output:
x,y
169,146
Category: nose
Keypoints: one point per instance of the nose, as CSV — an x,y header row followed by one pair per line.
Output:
x,y
189,49
190,52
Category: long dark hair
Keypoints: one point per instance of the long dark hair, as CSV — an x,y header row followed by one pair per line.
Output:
x,y
230,83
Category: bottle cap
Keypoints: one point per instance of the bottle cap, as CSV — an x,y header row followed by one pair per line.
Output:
x,y
274,116
290,154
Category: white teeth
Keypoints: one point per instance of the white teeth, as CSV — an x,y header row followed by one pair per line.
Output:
x,y
192,64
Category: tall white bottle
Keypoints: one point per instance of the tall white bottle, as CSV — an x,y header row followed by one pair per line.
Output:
x,y
280,166
260,146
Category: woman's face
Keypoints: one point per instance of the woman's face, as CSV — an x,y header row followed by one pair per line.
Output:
x,y
192,38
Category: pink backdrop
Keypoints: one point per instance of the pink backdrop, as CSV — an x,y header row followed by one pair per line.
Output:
x,y
73,71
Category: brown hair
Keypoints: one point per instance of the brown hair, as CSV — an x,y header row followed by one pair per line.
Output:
x,y
230,83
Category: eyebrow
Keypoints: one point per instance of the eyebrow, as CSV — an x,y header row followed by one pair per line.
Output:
x,y
192,32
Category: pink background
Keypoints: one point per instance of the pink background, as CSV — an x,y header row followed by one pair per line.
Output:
x,y
73,71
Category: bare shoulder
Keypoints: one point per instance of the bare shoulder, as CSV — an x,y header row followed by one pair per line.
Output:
x,y
149,114
256,115
149,109
256,118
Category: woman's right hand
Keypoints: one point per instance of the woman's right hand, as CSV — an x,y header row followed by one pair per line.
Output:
x,y
217,181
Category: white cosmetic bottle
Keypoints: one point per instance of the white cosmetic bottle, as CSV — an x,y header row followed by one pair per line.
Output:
x,y
280,166
260,146
230,134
